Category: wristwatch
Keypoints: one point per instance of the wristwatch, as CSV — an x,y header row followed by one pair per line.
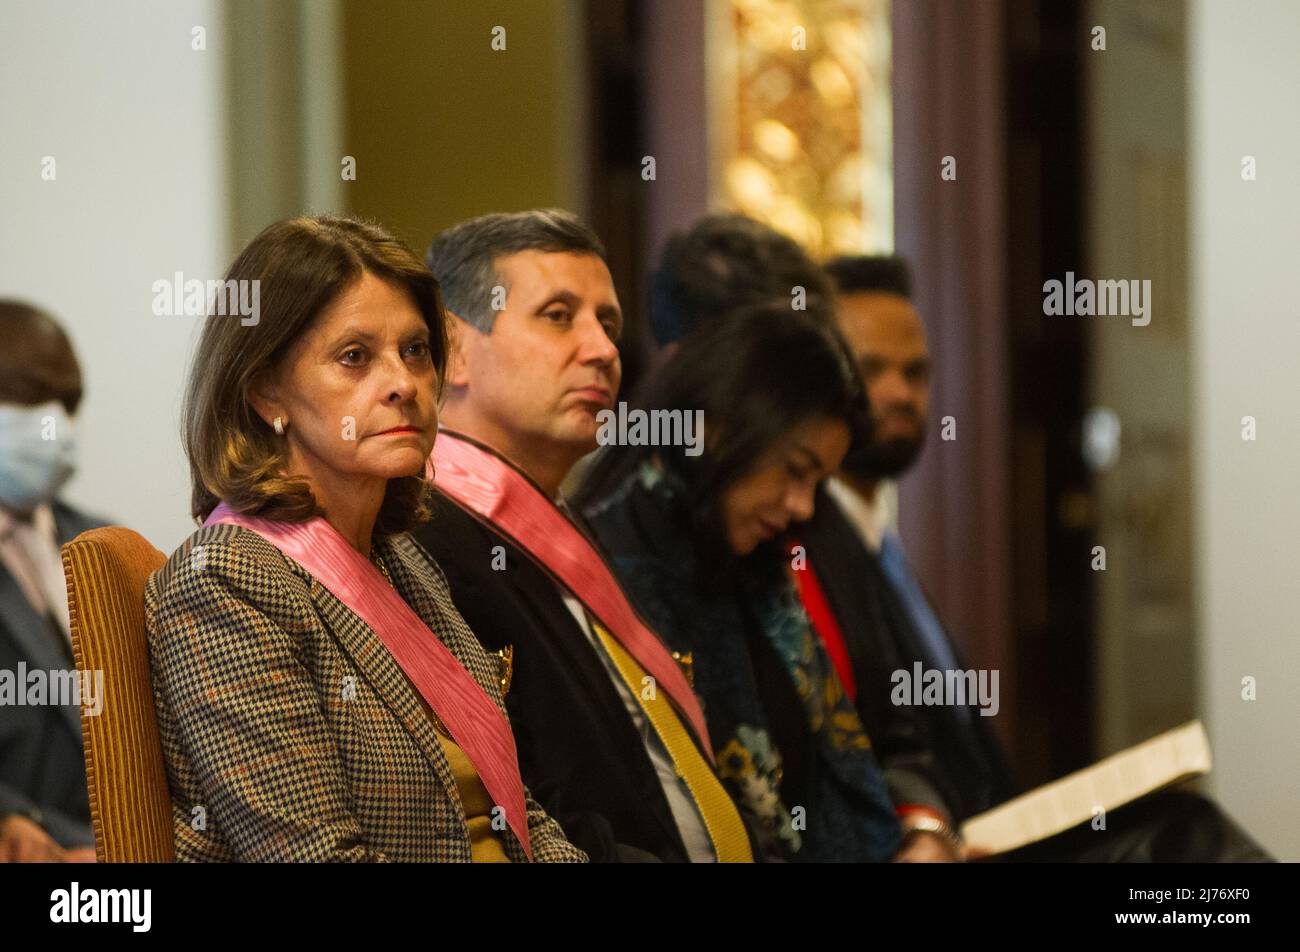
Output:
x,y
928,823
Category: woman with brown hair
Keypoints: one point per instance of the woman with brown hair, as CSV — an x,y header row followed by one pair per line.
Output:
x,y
319,696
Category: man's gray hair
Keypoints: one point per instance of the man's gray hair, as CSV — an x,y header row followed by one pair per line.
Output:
x,y
463,257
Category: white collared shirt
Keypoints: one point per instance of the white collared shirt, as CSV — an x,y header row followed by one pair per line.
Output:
x,y
869,517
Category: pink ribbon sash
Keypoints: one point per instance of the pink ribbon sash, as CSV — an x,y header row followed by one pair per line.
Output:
x,y
470,716
497,493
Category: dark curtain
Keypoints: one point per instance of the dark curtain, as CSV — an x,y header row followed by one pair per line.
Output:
x,y
954,509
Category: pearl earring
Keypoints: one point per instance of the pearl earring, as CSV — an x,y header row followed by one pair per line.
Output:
x,y
278,425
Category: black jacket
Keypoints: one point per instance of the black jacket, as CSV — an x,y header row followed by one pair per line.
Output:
x,y
579,751
42,767
957,757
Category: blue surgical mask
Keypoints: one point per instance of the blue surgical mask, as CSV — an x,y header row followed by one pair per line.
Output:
x,y
38,452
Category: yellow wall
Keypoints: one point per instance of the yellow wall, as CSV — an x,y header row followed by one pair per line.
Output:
x,y
443,127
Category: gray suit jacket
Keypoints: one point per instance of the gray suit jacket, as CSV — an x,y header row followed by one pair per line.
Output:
x,y
42,767
286,720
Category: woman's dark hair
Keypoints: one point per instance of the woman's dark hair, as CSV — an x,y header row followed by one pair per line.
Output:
x,y
302,266
757,373
725,261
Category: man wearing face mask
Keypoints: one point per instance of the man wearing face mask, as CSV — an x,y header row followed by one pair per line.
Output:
x,y
44,810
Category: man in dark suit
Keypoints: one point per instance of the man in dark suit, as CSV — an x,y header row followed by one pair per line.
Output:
x,y
854,538
44,810
536,320
860,555
580,753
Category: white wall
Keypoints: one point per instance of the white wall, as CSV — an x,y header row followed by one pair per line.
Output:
x,y
134,120
1245,83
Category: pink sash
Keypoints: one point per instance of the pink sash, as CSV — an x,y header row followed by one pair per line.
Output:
x,y
494,491
472,719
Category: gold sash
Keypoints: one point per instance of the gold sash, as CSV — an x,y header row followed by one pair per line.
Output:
x,y
721,819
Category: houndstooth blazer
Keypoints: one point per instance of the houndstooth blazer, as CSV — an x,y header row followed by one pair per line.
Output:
x,y
289,731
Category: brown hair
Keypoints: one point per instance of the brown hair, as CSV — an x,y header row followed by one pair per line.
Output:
x,y
37,363
303,265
